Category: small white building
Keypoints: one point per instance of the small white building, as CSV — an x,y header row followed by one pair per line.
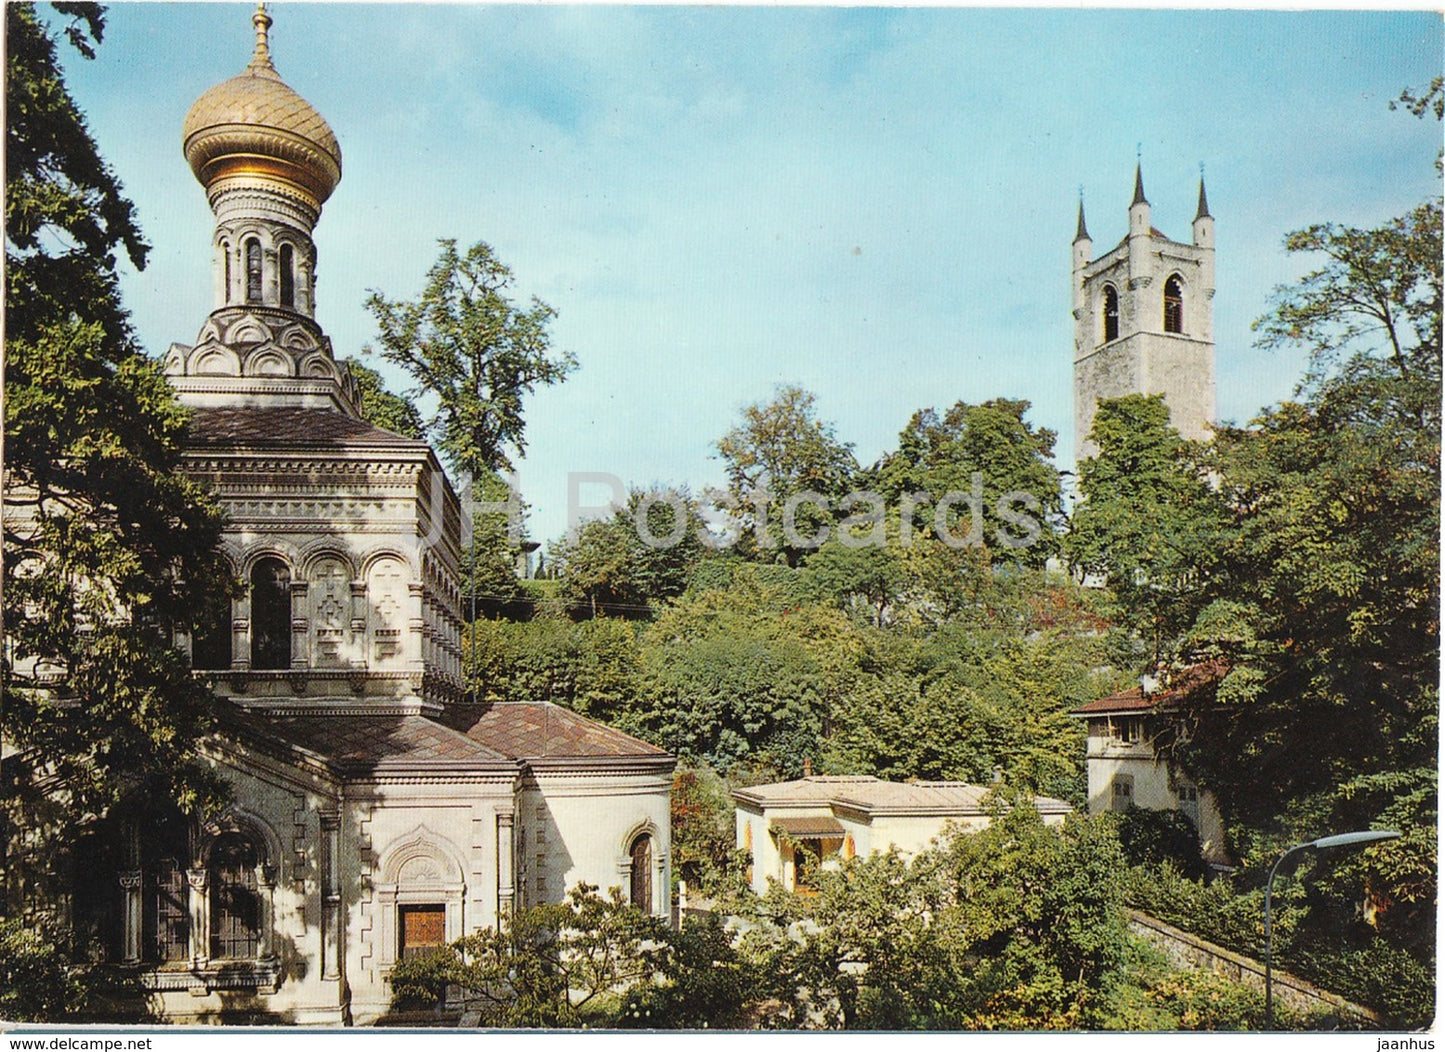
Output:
x,y
791,829
1125,767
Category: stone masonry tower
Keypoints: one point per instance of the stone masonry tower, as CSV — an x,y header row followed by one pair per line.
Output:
x,y
1144,321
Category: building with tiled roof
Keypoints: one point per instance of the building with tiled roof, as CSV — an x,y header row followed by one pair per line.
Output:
x,y
374,815
1125,766
790,829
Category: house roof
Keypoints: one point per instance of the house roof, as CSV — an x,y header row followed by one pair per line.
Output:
x,y
873,796
287,426
1184,684
540,730
354,746
815,789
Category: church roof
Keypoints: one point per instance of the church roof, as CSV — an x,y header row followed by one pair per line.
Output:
x,y
353,745
288,426
539,730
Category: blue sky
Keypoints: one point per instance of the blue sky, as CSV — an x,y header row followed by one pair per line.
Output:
x,y
877,204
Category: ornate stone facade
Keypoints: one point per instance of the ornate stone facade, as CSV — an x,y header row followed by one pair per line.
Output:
x,y
374,813
1144,321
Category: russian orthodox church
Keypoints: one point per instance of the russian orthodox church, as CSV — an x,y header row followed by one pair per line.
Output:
x,y
1144,321
376,814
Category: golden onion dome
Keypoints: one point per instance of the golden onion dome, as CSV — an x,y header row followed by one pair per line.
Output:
x,y
255,123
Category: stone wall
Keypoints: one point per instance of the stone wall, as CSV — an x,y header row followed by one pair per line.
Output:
x,y
1190,951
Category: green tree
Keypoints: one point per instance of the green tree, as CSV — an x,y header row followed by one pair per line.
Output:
x,y
874,576
562,964
382,407
66,214
1147,522
779,452
980,455
704,850
109,547
611,567
466,344
1324,603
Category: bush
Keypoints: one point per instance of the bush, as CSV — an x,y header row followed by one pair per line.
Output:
x,y
1152,837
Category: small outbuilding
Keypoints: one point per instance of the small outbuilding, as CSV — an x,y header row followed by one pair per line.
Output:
x,y
792,829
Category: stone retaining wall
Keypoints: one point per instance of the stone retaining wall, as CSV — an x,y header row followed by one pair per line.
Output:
x,y
1190,951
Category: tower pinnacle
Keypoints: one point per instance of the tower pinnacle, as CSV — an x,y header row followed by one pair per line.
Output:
x,y
1203,212
261,60
1083,230
1139,198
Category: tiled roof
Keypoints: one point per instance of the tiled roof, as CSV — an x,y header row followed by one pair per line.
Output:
x,y
1131,700
1187,683
539,730
357,745
815,789
873,795
261,99
288,426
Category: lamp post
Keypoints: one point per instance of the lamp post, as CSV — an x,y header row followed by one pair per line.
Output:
x,y
1359,839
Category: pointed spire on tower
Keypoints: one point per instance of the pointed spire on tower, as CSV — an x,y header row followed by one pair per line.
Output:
x,y
261,60
1203,212
1083,230
1139,198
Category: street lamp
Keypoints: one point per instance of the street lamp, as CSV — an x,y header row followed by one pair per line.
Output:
x,y
1366,836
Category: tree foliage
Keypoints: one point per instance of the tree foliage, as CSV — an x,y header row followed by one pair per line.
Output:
x,y
985,453
109,547
779,452
380,406
612,567
66,214
466,344
553,965
1148,523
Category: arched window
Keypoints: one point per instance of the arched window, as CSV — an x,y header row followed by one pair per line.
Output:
x,y
211,639
288,279
1174,305
270,615
253,270
226,255
235,901
1111,314
641,891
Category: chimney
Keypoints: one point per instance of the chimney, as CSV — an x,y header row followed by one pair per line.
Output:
x,y
807,767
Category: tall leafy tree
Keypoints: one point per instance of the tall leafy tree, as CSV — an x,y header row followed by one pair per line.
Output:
x,y
1148,522
980,454
613,567
468,346
1325,604
778,452
109,547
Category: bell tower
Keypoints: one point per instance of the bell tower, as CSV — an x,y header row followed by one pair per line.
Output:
x,y
1144,320
268,162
